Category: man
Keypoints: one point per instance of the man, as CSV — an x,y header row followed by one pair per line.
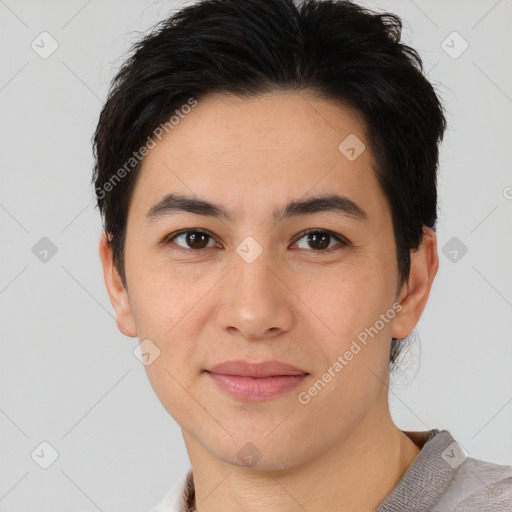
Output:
x,y
266,173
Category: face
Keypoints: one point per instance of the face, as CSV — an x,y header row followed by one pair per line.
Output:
x,y
303,288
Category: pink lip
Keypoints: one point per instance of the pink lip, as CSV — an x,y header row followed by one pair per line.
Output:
x,y
246,369
253,382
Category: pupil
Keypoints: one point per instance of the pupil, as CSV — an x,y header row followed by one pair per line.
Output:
x,y
194,237
314,238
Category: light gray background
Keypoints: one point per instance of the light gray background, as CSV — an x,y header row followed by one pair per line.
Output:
x,y
70,378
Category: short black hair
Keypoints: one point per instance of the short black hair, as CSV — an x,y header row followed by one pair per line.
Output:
x,y
335,49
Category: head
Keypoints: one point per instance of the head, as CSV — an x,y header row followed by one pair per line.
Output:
x,y
250,109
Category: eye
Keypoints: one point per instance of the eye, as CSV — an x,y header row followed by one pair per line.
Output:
x,y
194,238
319,239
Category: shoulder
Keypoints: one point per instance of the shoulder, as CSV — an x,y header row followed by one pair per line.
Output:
x,y
478,486
443,478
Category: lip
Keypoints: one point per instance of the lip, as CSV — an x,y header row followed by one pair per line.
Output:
x,y
243,368
256,381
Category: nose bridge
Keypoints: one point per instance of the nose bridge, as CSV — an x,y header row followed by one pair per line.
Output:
x,y
254,280
255,303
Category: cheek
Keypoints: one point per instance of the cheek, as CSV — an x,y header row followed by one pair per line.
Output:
x,y
348,298
164,313
161,296
355,309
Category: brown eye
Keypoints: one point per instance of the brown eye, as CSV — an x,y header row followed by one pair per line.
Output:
x,y
320,240
192,239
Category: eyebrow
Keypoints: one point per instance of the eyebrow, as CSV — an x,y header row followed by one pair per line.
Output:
x,y
178,203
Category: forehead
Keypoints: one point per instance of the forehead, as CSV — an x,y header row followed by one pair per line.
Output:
x,y
280,120
247,151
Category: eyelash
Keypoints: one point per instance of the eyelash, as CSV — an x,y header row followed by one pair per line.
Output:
x,y
344,242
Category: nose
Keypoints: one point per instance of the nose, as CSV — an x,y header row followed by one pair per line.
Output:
x,y
255,302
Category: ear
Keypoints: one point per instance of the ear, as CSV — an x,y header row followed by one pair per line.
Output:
x,y
413,295
116,290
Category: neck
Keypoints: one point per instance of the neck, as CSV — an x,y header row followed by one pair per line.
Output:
x,y
357,473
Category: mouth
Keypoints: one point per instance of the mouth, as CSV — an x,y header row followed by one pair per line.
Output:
x,y
255,382
255,389
243,368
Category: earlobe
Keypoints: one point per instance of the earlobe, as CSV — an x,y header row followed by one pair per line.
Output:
x,y
116,290
414,295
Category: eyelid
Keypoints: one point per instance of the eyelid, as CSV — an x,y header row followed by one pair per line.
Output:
x,y
344,242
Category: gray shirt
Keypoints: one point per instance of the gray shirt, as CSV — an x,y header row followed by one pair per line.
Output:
x,y
440,479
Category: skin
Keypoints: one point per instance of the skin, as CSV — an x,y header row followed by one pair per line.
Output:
x,y
341,451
